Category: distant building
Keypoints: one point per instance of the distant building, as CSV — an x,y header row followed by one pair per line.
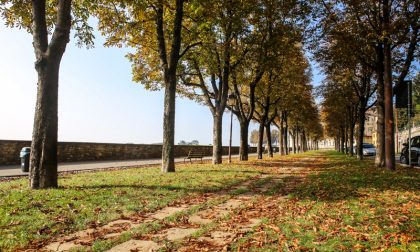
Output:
x,y
370,126
327,143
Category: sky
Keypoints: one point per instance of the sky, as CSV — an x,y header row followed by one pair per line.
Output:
x,y
98,101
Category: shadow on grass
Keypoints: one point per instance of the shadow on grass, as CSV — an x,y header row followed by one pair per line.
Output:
x,y
345,178
219,171
147,187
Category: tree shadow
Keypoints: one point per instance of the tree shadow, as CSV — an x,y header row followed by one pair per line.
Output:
x,y
221,171
354,182
188,189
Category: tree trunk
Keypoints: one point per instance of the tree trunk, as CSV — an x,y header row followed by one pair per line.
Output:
x,y
362,118
269,144
380,125
168,163
351,136
170,79
217,139
388,106
243,147
260,140
346,139
294,141
286,132
302,141
342,140
43,157
281,135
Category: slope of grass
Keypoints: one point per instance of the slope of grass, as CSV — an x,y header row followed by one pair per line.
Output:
x,y
90,199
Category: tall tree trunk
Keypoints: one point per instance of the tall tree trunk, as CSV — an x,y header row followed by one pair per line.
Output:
x,y
380,125
243,147
286,132
260,140
43,158
170,79
342,140
44,137
217,139
351,136
269,144
362,118
281,135
168,163
294,140
388,106
346,139
302,141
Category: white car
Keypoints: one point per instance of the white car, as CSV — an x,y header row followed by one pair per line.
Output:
x,y
368,149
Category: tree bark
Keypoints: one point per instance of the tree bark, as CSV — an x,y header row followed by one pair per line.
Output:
x,y
380,125
361,121
281,135
342,140
286,132
269,143
346,139
243,147
217,139
168,163
43,158
260,140
170,79
388,106
294,141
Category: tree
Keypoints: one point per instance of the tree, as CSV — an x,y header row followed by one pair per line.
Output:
x,y
274,137
154,29
219,25
277,24
390,28
253,137
40,18
337,87
194,142
344,68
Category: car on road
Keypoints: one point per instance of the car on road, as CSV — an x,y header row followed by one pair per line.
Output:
x,y
415,151
368,149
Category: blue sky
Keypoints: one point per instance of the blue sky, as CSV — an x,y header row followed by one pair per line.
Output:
x,y
98,101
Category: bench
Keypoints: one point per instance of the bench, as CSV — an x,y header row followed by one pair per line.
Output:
x,y
194,154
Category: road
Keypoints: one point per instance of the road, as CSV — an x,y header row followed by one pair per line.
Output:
x,y
14,170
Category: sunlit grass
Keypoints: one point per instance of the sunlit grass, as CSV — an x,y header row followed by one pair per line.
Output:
x,y
89,199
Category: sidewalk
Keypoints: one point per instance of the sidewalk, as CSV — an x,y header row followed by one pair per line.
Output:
x,y
14,170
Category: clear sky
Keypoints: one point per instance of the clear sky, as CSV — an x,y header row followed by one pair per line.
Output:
x,y
98,101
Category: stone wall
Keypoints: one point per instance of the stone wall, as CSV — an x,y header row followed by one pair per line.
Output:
x,y
76,152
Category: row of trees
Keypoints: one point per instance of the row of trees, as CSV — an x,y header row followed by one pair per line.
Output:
x,y
367,49
203,50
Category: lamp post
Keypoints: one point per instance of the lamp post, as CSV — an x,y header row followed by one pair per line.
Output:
x,y
231,103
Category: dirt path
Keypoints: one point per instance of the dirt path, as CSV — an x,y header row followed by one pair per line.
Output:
x,y
210,222
113,230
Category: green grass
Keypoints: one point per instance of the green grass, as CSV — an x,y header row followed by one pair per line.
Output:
x,y
89,199
342,205
346,205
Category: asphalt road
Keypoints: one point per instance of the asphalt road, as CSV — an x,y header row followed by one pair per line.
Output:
x,y
15,170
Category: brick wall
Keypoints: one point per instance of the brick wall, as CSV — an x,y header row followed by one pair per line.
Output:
x,y
73,151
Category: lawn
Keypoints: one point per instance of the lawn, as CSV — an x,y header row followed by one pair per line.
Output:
x,y
91,199
321,200
345,204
